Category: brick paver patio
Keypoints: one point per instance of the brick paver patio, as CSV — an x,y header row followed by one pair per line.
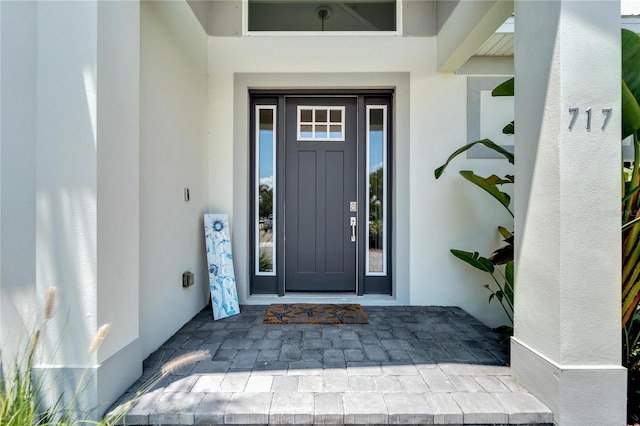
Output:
x,y
409,365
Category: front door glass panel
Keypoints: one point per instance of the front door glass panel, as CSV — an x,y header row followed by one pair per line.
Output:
x,y
321,123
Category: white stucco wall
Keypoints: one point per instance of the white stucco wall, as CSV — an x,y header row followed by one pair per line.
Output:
x,y
17,168
173,155
553,231
435,215
69,150
66,175
118,171
566,346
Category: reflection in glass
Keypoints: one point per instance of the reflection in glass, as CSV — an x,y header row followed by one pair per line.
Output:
x,y
306,131
306,115
265,160
321,123
376,165
302,15
321,131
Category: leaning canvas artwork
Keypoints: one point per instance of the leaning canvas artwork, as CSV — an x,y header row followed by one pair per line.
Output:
x,y
224,295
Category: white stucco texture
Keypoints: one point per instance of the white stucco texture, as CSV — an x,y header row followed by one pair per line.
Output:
x,y
73,146
566,348
569,243
66,172
17,168
173,155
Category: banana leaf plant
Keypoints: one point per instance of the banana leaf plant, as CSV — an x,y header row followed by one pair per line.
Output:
x,y
499,265
489,184
502,287
630,195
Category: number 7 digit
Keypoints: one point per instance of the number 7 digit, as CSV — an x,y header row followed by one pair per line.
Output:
x,y
607,116
574,117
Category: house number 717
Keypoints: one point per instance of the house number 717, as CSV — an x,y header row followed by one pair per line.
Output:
x,y
606,113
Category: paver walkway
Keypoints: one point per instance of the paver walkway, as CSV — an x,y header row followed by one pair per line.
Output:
x,y
409,365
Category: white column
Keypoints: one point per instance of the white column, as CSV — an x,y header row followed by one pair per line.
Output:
x,y
567,343
69,190
118,190
18,50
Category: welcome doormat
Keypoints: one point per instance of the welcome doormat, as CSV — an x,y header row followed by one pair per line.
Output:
x,y
311,313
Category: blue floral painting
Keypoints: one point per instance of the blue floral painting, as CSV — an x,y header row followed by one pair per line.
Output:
x,y
224,295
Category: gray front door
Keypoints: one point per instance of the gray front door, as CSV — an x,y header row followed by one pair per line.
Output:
x,y
320,185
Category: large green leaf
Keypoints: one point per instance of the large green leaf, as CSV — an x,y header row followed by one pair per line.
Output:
x,y
630,112
503,255
490,185
505,89
630,224
497,180
509,129
486,142
505,232
630,82
474,259
631,61
629,192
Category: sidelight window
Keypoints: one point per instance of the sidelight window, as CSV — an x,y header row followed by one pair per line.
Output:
x,y
265,164
376,254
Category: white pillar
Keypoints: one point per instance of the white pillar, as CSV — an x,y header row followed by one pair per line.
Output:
x,y
69,190
18,38
118,188
567,343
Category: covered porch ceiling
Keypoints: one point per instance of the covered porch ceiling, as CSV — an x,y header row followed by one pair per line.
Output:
x,y
500,44
471,34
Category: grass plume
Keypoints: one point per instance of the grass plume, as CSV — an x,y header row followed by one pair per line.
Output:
x,y
181,361
20,390
99,337
116,416
32,347
50,302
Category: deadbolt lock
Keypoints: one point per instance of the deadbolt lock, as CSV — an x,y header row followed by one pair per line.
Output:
x,y
353,206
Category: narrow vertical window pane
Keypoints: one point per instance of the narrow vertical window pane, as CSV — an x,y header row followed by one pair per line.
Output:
x,y
265,171
376,165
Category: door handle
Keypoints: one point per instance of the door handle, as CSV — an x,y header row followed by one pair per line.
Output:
x,y
353,229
